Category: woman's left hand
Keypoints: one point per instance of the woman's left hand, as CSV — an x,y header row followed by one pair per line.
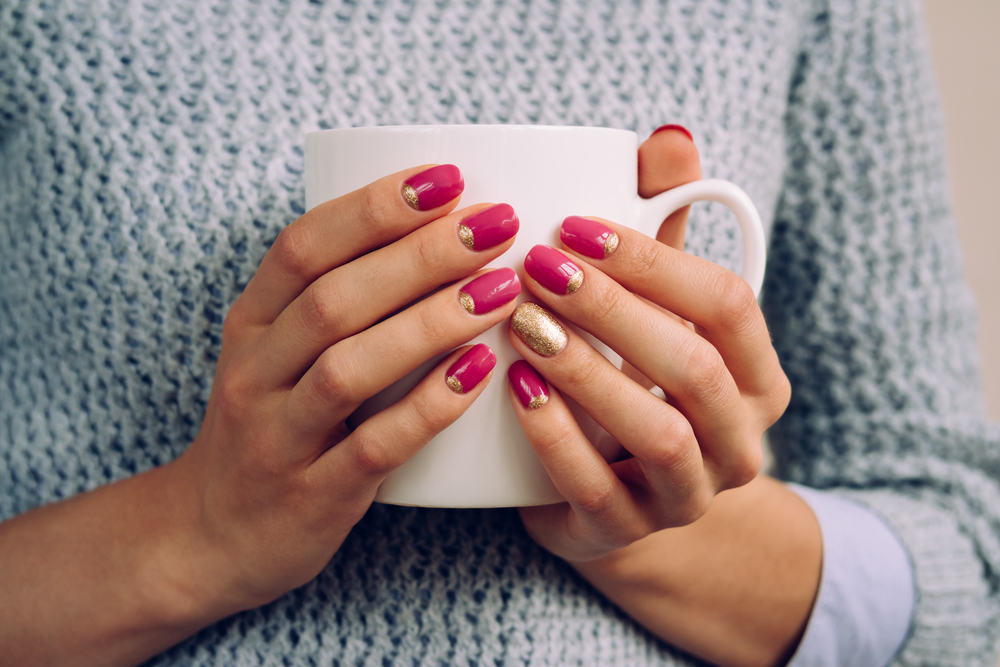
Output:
x,y
691,327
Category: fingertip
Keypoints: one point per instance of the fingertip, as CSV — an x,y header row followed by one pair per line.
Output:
x,y
472,368
433,187
668,158
527,384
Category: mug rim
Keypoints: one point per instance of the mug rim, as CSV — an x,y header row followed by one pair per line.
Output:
x,y
467,127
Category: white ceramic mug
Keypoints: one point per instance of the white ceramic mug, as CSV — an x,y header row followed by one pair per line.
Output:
x,y
545,174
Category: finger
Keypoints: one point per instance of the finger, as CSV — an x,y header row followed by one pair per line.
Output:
x,y
360,366
686,366
339,230
603,503
358,464
654,432
720,303
356,295
669,158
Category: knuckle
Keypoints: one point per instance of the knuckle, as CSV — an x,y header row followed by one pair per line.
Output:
x,y
597,498
235,323
431,418
333,382
434,325
291,251
705,377
426,251
371,456
737,308
673,439
745,467
610,303
322,307
645,259
375,210
585,372
234,393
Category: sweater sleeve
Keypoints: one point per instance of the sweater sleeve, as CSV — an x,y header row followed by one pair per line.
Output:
x,y
875,326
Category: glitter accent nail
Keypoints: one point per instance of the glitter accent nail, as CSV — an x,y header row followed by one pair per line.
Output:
x,y
470,369
529,386
538,329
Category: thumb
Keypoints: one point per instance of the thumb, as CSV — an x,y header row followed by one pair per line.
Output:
x,y
669,158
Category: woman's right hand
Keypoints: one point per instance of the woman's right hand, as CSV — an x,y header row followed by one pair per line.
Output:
x,y
275,479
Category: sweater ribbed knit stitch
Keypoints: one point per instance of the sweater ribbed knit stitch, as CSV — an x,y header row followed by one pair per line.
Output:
x,y
151,152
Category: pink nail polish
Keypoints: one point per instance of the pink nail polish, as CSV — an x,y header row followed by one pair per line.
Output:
x,y
489,291
489,227
554,270
588,237
679,128
470,369
433,187
529,386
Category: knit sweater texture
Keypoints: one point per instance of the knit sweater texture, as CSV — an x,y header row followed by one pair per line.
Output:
x,y
151,152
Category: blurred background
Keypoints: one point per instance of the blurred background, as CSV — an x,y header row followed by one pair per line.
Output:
x,y
966,51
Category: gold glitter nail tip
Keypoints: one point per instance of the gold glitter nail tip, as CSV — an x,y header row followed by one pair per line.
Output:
x,y
574,282
410,195
466,300
611,245
538,401
455,384
539,330
465,234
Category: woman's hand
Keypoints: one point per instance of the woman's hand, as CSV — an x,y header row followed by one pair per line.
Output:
x,y
275,480
721,376
277,477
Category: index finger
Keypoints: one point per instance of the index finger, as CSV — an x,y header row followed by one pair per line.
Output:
x,y
337,231
720,303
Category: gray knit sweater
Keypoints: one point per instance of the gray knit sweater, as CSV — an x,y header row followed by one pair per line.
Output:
x,y
150,153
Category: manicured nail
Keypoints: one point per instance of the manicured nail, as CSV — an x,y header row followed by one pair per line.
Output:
x,y
489,227
679,128
471,368
433,187
539,330
588,237
554,270
489,291
529,386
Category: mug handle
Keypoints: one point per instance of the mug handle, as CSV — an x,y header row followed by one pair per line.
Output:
x,y
650,213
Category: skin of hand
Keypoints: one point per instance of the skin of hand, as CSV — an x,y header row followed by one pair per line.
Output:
x,y
645,522
275,480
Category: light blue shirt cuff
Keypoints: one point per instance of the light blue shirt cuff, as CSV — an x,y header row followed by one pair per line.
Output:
x,y
862,612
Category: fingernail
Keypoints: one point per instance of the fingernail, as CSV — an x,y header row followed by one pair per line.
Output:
x,y
470,369
679,128
489,291
539,330
529,386
489,227
588,237
433,187
554,270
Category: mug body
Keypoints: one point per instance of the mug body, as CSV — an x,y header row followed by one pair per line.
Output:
x,y
545,174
